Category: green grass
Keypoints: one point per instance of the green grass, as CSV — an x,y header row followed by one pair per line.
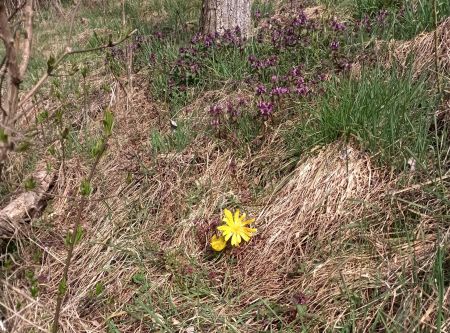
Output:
x,y
178,139
387,114
405,18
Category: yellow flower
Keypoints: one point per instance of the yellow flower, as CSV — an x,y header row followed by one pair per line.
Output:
x,y
218,243
235,227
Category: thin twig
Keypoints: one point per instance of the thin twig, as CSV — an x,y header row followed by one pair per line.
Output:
x,y
2,79
417,186
436,47
69,39
436,59
71,248
10,17
44,77
28,37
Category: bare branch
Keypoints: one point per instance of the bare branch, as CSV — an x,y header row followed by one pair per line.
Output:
x,y
19,7
28,12
69,38
11,62
2,79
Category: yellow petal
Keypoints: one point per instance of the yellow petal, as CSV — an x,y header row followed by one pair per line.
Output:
x,y
248,221
250,230
218,243
242,218
223,228
228,218
234,240
236,216
245,237
228,236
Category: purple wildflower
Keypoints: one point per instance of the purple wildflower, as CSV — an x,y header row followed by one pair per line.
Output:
x,y
279,91
300,19
337,26
296,72
208,40
261,89
265,108
215,122
302,89
271,61
366,23
215,110
159,35
232,110
241,102
334,45
237,31
381,16
196,38
300,80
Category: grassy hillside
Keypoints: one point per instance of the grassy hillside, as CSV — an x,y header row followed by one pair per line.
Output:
x,y
329,127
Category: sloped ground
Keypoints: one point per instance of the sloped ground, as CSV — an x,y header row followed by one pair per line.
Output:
x,y
325,241
343,244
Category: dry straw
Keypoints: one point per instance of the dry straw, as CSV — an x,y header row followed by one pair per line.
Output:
x,y
420,51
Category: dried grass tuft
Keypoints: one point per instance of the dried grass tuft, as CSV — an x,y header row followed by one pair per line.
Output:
x,y
323,236
421,50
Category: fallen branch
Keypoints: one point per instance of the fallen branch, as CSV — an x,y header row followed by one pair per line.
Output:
x,y
26,205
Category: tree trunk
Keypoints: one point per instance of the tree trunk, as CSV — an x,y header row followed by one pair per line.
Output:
x,y
220,15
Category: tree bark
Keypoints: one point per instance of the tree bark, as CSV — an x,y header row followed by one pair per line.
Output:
x,y
220,15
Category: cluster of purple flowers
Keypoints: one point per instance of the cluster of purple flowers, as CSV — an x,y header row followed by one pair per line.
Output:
x,y
294,83
338,26
215,111
369,23
289,33
189,64
187,67
334,45
232,37
282,33
279,91
229,37
301,89
228,110
257,64
257,14
265,108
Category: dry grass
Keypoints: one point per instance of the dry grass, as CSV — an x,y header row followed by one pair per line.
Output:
x,y
327,234
312,237
421,49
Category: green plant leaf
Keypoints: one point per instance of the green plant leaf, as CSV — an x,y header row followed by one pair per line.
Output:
x,y
62,287
3,136
51,64
108,122
85,187
30,184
